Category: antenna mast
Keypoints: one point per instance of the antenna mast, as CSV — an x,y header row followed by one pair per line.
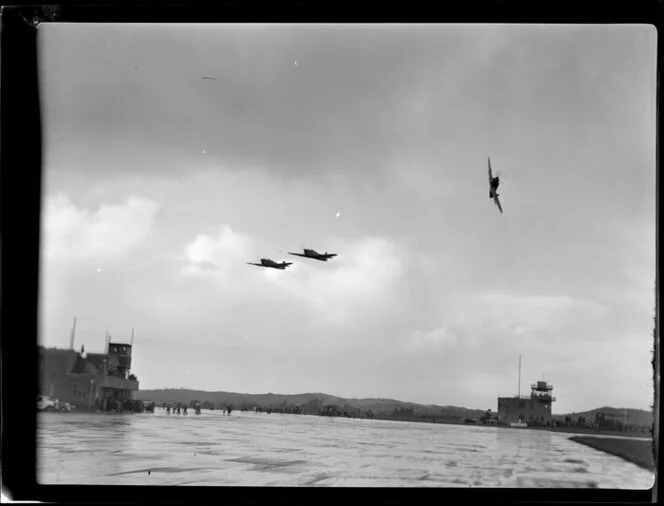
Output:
x,y
132,337
73,333
519,394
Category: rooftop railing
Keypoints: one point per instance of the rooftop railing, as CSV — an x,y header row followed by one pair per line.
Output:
x,y
118,382
544,386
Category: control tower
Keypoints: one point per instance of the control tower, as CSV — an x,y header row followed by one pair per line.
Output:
x,y
541,395
535,410
120,356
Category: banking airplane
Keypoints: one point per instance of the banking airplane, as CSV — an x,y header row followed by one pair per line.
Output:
x,y
309,253
493,187
266,262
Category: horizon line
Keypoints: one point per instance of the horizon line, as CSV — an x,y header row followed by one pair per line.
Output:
x,y
379,398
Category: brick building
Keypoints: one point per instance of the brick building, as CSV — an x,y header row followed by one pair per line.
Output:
x,y
88,381
533,409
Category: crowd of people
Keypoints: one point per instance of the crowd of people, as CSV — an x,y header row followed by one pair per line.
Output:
x,y
180,408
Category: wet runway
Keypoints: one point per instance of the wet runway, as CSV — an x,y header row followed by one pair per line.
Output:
x,y
256,449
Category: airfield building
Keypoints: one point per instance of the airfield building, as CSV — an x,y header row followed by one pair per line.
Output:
x,y
93,381
535,408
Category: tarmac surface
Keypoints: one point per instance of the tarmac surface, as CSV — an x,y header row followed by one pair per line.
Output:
x,y
257,449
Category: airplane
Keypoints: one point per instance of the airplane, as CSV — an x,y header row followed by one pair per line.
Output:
x,y
493,188
309,253
266,262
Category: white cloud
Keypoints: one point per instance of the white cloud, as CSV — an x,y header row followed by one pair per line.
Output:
x,y
431,341
359,279
639,261
112,231
619,370
217,256
521,314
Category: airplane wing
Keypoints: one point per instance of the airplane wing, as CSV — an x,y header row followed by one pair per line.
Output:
x,y
258,265
495,199
299,255
490,175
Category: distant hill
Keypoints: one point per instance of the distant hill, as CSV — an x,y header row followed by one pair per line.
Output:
x,y
238,400
637,417
378,406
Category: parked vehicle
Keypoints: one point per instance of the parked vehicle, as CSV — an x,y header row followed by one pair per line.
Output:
x,y
148,406
65,406
47,403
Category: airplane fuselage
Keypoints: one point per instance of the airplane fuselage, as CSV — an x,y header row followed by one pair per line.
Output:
x,y
266,262
494,182
324,258
309,253
274,265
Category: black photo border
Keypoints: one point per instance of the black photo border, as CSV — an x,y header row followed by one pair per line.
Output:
x,y
20,200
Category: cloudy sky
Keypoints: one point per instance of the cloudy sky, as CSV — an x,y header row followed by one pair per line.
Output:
x,y
370,142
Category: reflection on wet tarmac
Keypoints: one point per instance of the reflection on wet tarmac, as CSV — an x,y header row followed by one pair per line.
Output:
x,y
249,449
